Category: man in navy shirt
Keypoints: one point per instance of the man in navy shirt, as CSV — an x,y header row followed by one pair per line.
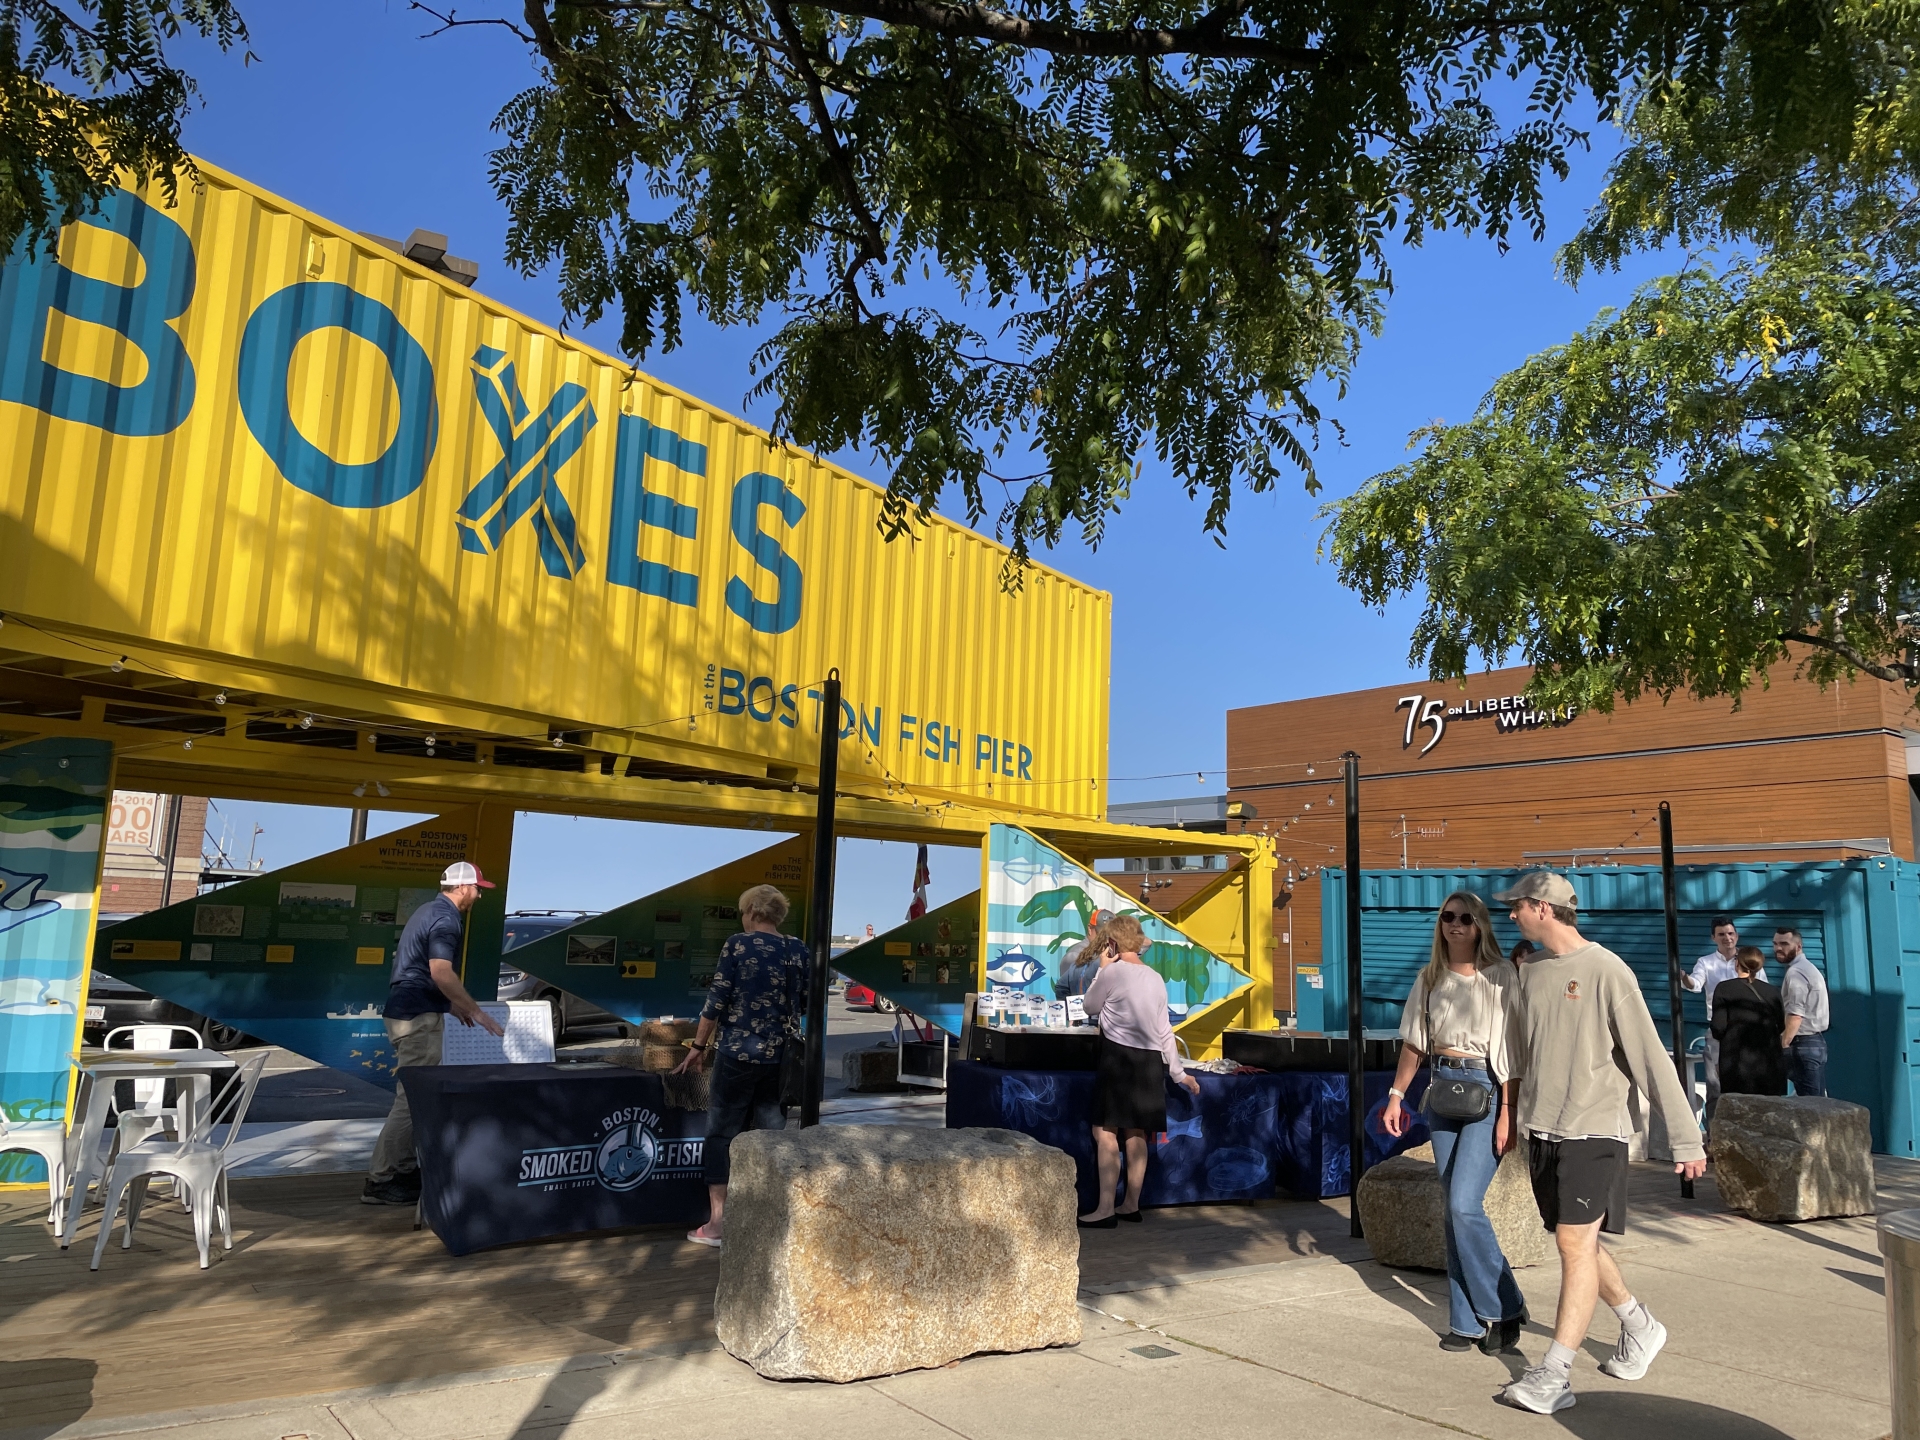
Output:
x,y
424,990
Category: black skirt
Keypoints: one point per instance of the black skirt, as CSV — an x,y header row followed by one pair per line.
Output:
x,y
1130,1089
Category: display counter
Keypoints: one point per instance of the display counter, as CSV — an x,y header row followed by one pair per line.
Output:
x,y
1246,1137
516,1152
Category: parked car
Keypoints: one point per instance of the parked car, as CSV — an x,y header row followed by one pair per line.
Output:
x,y
112,1003
863,997
570,1012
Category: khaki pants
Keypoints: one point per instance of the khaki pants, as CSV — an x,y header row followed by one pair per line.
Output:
x,y
415,1041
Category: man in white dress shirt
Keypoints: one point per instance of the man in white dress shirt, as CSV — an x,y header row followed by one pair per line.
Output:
x,y
1708,971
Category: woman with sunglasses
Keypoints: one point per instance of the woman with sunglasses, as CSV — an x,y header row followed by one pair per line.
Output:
x,y
1457,1014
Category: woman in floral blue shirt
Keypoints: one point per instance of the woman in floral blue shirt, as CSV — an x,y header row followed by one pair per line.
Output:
x,y
755,1002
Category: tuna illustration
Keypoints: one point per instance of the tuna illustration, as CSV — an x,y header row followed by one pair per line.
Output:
x,y
1015,969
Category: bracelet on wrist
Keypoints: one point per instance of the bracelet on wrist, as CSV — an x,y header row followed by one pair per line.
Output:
x,y
1396,1092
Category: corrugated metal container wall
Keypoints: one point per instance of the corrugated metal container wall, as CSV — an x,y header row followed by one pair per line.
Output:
x,y
1859,919
236,430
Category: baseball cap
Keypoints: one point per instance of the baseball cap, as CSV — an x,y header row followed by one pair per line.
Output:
x,y
464,872
1542,885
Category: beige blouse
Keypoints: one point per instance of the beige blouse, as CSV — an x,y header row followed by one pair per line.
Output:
x,y
1470,1014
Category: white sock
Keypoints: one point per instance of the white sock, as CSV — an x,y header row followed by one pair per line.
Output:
x,y
1560,1358
1633,1315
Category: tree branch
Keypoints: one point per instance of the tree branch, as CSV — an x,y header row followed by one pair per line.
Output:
x,y
1901,672
1205,37
873,244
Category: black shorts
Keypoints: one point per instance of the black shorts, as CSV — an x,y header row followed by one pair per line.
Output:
x,y
1580,1181
1130,1089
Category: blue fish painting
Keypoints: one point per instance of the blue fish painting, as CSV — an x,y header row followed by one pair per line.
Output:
x,y
1188,1129
1028,1100
1234,1170
1015,970
17,905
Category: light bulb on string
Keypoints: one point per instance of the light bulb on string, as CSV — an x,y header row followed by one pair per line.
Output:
x,y
220,698
186,744
118,665
359,789
384,792
63,762
1309,767
306,722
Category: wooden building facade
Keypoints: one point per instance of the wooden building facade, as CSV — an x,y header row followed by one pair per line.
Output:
x,y
1468,774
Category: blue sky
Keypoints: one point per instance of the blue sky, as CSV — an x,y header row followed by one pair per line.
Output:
x,y
348,112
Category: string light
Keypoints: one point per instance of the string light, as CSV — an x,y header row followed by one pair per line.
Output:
x,y
360,789
221,698
118,665
306,722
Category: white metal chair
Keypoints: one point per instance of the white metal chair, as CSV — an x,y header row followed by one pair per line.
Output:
x,y
53,1143
150,1114
200,1167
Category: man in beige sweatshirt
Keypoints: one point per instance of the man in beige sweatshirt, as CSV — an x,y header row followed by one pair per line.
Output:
x,y
1580,1036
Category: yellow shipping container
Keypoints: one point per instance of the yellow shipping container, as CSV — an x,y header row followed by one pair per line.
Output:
x,y
233,432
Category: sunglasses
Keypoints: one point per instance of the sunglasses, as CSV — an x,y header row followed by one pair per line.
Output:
x,y
1463,917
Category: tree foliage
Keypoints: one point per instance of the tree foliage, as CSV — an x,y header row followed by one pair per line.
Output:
x,y
1017,249
1724,474
88,97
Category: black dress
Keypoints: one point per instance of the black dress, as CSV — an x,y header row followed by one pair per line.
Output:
x,y
1748,1021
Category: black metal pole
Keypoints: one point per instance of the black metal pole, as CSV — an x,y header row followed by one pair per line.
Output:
x,y
1356,1047
820,906
172,857
1679,1023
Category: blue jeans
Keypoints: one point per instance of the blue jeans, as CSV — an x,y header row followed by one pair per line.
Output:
x,y
1480,1284
1807,1064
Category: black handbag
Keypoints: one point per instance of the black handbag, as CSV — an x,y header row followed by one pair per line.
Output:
x,y
1462,1100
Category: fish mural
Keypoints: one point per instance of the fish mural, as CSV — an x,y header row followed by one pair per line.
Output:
x,y
1014,970
17,903
1042,905
53,810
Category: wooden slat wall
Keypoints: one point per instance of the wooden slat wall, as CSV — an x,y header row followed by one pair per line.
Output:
x,y
1793,765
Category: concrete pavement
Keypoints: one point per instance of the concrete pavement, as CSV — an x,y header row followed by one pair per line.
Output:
x,y
1776,1331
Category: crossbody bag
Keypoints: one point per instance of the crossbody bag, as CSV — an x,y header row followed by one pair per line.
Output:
x,y
1453,1098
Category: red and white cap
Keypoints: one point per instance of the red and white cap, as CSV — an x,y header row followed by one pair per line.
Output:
x,y
464,872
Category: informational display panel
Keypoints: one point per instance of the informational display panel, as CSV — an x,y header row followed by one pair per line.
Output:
x,y
1040,905
654,957
321,460
927,965
53,811
302,957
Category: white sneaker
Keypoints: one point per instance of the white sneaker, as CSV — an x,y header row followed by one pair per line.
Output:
x,y
1544,1389
1636,1350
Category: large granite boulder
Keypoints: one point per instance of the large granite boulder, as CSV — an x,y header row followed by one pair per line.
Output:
x,y
861,1250
1403,1210
1792,1157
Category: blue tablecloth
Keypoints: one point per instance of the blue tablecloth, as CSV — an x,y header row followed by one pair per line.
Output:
x,y
515,1152
1246,1137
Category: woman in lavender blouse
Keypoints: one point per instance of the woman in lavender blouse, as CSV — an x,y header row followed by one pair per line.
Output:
x,y
1136,1054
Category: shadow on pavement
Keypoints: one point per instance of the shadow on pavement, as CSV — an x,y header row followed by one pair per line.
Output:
x,y
39,1398
1613,1415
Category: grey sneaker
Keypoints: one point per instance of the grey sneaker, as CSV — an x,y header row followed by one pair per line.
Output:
x,y
1636,1350
1544,1390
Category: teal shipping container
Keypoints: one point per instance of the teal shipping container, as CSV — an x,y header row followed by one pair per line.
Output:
x,y
1860,920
